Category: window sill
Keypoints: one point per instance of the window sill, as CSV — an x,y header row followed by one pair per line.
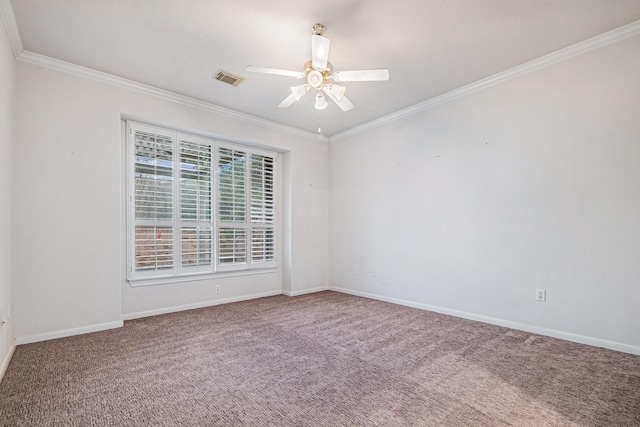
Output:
x,y
152,281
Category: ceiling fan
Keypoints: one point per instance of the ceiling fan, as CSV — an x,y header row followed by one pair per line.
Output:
x,y
320,75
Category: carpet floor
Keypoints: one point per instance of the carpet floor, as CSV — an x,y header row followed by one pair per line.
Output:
x,y
325,359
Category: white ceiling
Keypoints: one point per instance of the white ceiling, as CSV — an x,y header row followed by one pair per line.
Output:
x,y
429,46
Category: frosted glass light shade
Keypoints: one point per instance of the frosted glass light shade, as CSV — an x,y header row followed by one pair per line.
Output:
x,y
321,102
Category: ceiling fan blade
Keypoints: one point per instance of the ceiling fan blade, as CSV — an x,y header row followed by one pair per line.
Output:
x,y
297,92
319,52
300,91
296,74
287,101
343,102
337,91
361,75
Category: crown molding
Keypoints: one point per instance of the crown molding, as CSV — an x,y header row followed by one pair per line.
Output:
x,y
99,76
9,19
613,36
6,10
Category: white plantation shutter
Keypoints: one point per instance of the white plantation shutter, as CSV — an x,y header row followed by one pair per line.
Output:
x,y
153,201
197,206
197,246
196,202
154,177
154,248
262,208
262,203
196,183
232,207
262,245
232,246
231,186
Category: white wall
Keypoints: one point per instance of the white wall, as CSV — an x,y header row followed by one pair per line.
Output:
x,y
7,339
69,185
470,206
465,208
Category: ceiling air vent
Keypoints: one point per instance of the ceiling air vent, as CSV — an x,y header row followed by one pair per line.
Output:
x,y
228,78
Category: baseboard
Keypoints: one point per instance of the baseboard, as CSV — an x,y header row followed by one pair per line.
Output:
x,y
166,310
595,342
7,359
69,332
305,291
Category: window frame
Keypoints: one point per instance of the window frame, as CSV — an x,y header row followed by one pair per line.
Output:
x,y
179,272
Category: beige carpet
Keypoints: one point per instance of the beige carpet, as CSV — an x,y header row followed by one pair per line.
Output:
x,y
325,359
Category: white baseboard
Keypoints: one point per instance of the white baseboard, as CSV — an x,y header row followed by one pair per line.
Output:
x,y
7,360
166,310
596,342
69,332
305,291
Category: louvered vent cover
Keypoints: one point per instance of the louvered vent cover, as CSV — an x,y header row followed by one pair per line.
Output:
x,y
228,78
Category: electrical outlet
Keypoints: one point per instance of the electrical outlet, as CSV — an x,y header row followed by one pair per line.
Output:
x,y
541,295
355,271
373,273
218,290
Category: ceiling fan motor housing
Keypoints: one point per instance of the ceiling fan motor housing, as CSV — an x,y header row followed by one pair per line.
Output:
x,y
315,78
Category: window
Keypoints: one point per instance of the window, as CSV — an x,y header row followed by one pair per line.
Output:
x,y
197,205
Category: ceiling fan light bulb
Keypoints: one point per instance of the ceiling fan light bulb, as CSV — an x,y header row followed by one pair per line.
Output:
x,y
321,102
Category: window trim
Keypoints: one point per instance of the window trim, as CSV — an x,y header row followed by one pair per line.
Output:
x,y
178,272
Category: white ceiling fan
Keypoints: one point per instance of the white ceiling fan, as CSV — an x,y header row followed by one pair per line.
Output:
x,y
320,75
